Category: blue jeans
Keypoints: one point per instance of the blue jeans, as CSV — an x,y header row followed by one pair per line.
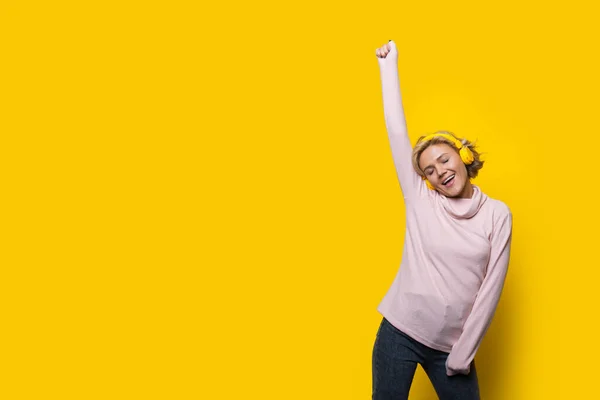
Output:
x,y
395,358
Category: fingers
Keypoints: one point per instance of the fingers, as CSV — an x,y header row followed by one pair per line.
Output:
x,y
384,50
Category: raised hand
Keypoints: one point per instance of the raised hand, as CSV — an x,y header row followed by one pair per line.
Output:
x,y
387,51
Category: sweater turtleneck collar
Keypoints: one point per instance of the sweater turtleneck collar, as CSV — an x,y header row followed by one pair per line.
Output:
x,y
464,208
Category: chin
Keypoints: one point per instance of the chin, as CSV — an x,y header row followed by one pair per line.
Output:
x,y
454,191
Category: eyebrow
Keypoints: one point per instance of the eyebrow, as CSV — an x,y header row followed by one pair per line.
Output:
x,y
430,166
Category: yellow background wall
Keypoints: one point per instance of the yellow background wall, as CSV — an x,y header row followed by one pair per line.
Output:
x,y
199,200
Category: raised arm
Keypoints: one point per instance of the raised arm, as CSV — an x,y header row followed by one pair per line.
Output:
x,y
395,121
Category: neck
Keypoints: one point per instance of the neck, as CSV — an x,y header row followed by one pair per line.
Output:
x,y
467,192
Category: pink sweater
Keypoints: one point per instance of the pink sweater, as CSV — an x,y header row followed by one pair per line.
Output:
x,y
455,255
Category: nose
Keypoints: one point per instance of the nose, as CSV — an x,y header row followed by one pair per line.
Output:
x,y
440,172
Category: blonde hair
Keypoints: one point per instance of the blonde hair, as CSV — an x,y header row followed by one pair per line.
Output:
x,y
472,169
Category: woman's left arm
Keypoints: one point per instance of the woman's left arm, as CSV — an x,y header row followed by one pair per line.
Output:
x,y
479,319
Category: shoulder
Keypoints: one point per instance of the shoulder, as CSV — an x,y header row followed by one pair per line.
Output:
x,y
498,210
499,207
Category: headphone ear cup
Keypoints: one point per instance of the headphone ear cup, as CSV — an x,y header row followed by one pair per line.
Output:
x,y
429,185
466,155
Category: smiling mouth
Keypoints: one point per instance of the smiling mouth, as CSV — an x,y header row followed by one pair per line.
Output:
x,y
449,181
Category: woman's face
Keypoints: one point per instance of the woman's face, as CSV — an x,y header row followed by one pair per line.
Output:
x,y
445,170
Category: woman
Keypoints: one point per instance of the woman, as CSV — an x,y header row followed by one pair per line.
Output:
x,y
454,261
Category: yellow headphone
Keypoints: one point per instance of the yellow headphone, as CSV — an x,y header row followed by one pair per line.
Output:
x,y
466,155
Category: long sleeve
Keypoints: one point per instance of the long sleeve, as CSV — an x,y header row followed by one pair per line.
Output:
x,y
483,310
401,147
